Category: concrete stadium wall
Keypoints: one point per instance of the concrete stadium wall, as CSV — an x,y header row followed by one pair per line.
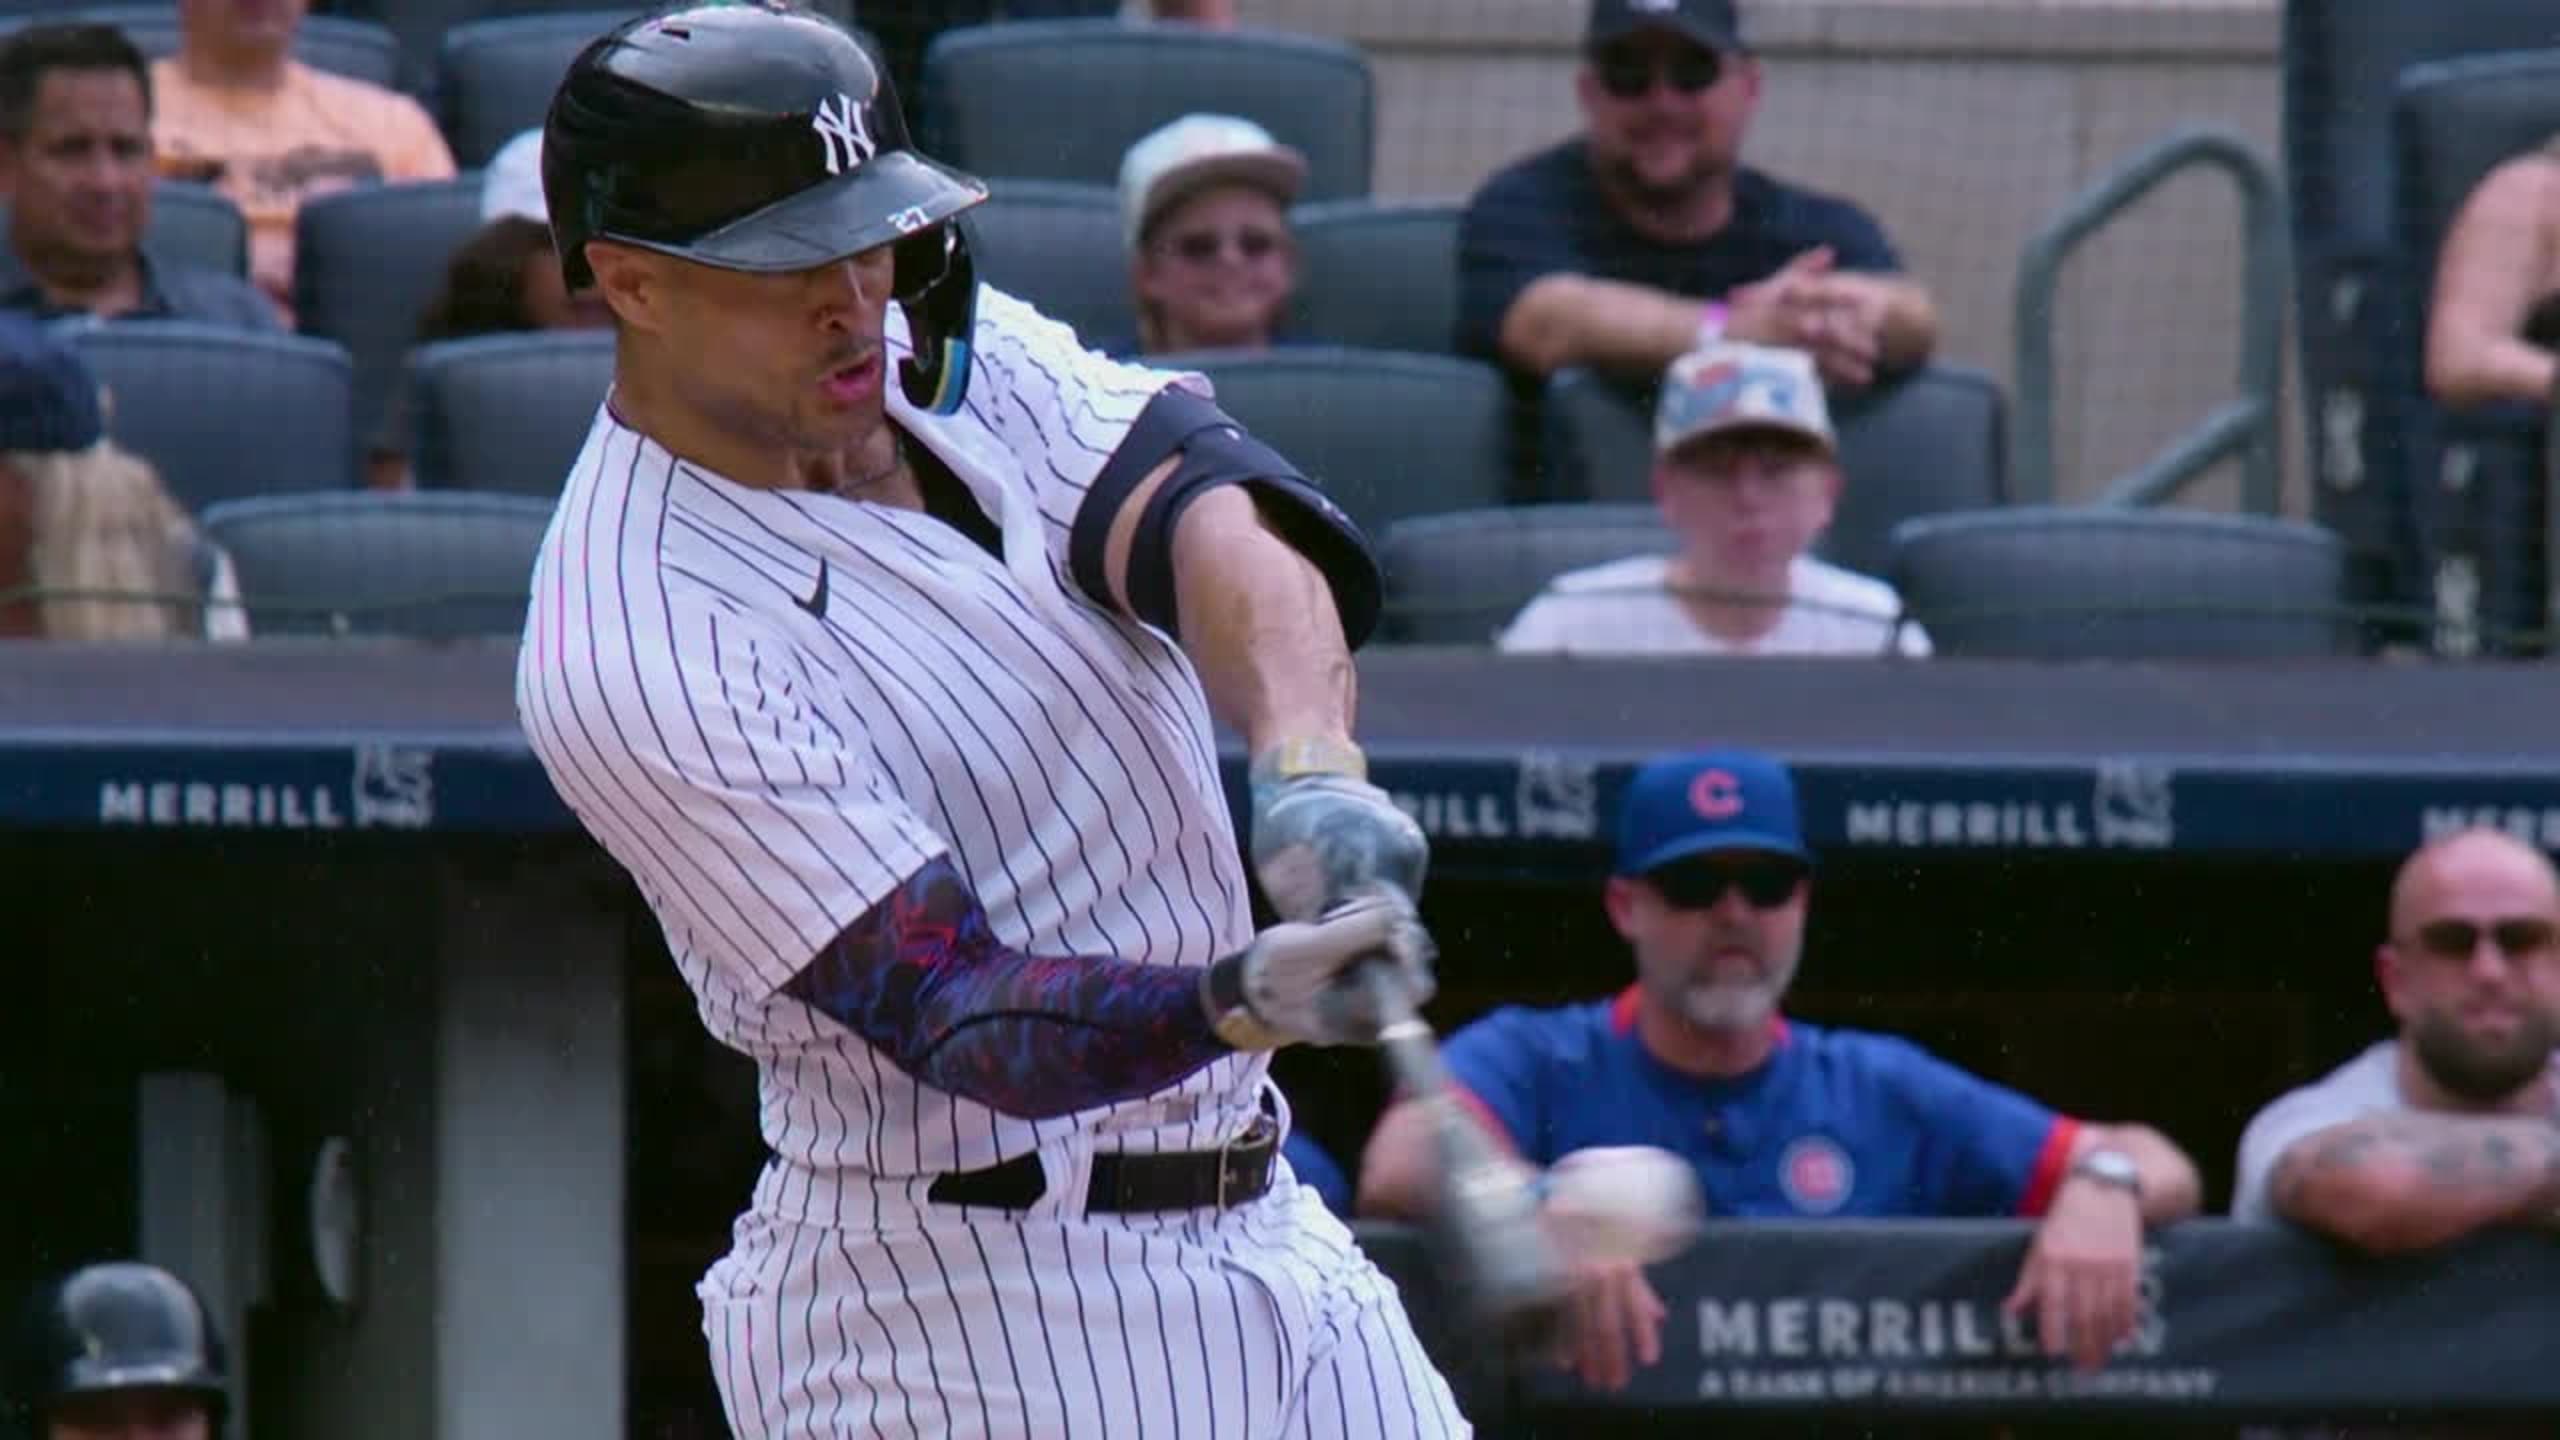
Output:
x,y
1964,126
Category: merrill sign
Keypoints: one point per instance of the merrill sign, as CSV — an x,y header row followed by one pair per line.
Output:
x,y
391,787
2130,808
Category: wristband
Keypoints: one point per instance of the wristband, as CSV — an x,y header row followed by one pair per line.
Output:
x,y
1310,755
1711,324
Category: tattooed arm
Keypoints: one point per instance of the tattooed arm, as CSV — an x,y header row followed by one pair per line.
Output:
x,y
2399,1181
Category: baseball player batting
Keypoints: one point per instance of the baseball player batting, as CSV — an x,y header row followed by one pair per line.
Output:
x,y
878,635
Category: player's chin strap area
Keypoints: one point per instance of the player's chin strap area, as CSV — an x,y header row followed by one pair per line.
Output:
x,y
937,287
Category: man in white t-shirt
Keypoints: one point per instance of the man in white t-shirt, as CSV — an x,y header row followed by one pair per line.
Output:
x,y
2454,1126
1746,470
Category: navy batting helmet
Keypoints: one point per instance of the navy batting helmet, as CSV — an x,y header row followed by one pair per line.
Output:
x,y
111,1327
760,135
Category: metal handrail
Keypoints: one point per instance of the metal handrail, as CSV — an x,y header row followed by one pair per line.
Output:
x,y
2247,426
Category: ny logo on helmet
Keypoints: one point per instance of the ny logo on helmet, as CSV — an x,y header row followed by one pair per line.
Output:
x,y
844,127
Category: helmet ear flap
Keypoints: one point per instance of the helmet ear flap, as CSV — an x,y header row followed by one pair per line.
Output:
x,y
936,284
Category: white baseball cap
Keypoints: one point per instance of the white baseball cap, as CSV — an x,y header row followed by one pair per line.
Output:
x,y
512,185
1195,151
1733,386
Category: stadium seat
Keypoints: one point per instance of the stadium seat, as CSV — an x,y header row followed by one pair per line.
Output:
x,y
366,263
2453,121
377,563
1383,276
1933,441
1386,434
2355,291
2088,582
358,49
995,95
1458,578
223,412
190,224
421,25
507,413
1057,245
495,77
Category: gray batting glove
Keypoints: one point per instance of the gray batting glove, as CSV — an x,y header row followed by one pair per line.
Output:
x,y
1322,833
1287,987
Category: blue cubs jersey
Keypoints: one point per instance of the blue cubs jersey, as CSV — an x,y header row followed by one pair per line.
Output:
x,y
1835,1122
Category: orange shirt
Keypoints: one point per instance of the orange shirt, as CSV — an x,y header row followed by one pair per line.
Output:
x,y
269,150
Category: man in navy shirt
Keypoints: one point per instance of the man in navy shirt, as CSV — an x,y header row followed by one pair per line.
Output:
x,y
1634,243
1778,1117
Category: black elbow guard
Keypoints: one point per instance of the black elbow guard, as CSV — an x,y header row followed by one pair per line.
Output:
x,y
1214,451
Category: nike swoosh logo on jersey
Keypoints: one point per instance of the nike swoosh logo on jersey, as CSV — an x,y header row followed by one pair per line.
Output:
x,y
815,602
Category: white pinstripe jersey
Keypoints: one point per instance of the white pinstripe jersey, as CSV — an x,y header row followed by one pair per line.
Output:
x,y
767,775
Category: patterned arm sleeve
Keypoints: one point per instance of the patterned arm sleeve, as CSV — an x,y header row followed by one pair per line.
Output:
x,y
924,980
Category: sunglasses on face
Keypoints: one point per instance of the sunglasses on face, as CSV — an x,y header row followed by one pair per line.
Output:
x,y
1767,882
1630,76
1199,247
2460,939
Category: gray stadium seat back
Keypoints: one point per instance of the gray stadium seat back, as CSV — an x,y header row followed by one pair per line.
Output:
x,y
190,225
2453,121
507,413
1386,434
357,49
1065,99
421,25
1458,578
1932,441
376,563
1383,276
1056,244
495,77
224,413
366,263
2086,582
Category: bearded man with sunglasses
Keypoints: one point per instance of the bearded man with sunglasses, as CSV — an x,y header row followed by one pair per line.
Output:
x,y
1779,1118
1644,237
2453,1126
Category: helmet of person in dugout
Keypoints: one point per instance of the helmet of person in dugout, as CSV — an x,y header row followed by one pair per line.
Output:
x,y
112,1327
759,135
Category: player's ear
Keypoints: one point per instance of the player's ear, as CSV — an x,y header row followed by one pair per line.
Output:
x,y
627,281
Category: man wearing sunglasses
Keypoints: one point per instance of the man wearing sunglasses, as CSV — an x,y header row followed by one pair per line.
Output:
x,y
1779,1118
2454,1125
1629,245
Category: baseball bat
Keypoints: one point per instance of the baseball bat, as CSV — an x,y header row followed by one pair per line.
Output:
x,y
1508,1277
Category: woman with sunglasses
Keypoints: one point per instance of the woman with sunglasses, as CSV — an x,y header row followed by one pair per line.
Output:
x,y
1212,265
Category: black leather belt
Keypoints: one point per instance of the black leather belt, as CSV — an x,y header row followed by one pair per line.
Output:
x,y
1183,1180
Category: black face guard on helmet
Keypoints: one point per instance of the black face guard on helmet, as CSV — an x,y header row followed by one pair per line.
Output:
x,y
761,137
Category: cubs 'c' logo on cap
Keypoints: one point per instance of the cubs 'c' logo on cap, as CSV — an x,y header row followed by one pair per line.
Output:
x,y
1716,795
843,126
1816,1174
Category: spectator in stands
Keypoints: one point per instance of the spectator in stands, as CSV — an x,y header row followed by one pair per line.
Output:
x,y
1205,203
2454,1124
1779,1117
238,112
88,537
2493,326
1632,244
1746,475
76,160
504,279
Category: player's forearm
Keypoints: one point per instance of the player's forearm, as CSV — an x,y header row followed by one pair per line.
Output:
x,y
924,981
1259,623
2405,1182
1565,320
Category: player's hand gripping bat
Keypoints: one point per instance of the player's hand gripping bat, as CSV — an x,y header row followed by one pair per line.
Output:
x,y
1509,1278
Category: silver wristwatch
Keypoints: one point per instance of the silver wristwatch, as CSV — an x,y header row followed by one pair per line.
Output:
x,y
2110,1167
